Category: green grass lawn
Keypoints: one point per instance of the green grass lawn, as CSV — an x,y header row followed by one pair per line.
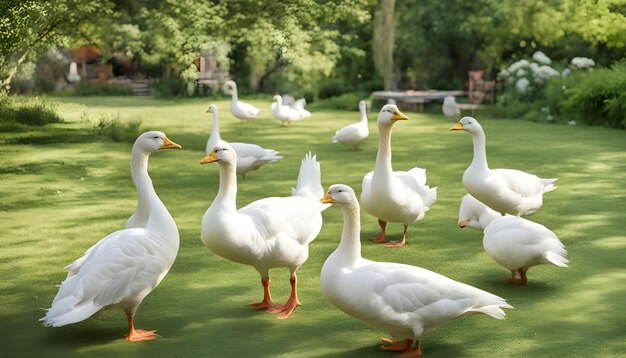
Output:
x,y
63,188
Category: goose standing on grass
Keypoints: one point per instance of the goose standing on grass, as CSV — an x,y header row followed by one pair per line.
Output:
x,y
355,133
450,108
475,214
121,269
513,242
268,233
405,301
241,110
394,196
507,191
283,113
249,156
518,244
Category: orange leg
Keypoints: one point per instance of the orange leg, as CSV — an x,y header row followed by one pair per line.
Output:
x,y
398,243
136,335
417,351
381,237
522,274
514,278
291,304
267,297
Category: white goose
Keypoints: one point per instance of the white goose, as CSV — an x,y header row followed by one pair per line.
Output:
x,y
355,133
475,214
241,110
394,196
298,105
450,108
125,266
518,244
268,233
283,113
405,301
513,242
249,156
507,191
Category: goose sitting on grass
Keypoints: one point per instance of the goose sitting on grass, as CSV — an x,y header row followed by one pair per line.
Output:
x,y
268,233
355,133
241,110
507,191
284,113
402,300
450,108
249,156
121,269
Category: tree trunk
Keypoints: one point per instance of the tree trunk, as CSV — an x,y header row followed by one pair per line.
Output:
x,y
384,33
6,83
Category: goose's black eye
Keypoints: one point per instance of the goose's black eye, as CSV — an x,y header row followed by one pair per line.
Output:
x,y
341,191
156,137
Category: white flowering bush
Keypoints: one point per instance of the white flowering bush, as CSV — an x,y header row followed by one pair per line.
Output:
x,y
525,79
582,63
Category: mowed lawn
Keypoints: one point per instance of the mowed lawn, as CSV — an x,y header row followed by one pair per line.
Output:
x,y
62,189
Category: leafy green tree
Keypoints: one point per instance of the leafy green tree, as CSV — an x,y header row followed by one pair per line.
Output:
x,y
28,27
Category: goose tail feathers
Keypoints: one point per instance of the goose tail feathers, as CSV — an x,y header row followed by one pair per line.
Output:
x,y
309,179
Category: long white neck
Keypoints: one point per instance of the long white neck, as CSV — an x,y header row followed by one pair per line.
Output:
x,y
349,249
159,219
363,115
215,137
480,151
383,167
226,198
233,89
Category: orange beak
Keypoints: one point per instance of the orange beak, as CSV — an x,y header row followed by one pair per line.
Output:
x,y
457,127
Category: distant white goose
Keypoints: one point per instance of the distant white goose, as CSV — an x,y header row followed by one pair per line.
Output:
x,y
394,196
355,133
450,108
507,191
298,105
475,214
241,110
121,269
267,233
249,156
402,300
284,114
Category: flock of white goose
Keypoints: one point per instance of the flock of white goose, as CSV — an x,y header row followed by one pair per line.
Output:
x,y
402,300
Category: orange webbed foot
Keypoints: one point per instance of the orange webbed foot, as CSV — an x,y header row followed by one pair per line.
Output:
x,y
286,309
396,244
394,345
139,335
261,305
378,239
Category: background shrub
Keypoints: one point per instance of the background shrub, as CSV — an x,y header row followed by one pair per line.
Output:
x,y
25,110
85,88
344,102
599,97
117,130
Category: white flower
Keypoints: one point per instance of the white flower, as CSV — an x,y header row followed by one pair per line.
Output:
x,y
542,73
522,85
520,73
583,62
565,72
516,66
541,58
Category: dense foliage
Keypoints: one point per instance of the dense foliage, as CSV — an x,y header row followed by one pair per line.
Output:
x,y
316,49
